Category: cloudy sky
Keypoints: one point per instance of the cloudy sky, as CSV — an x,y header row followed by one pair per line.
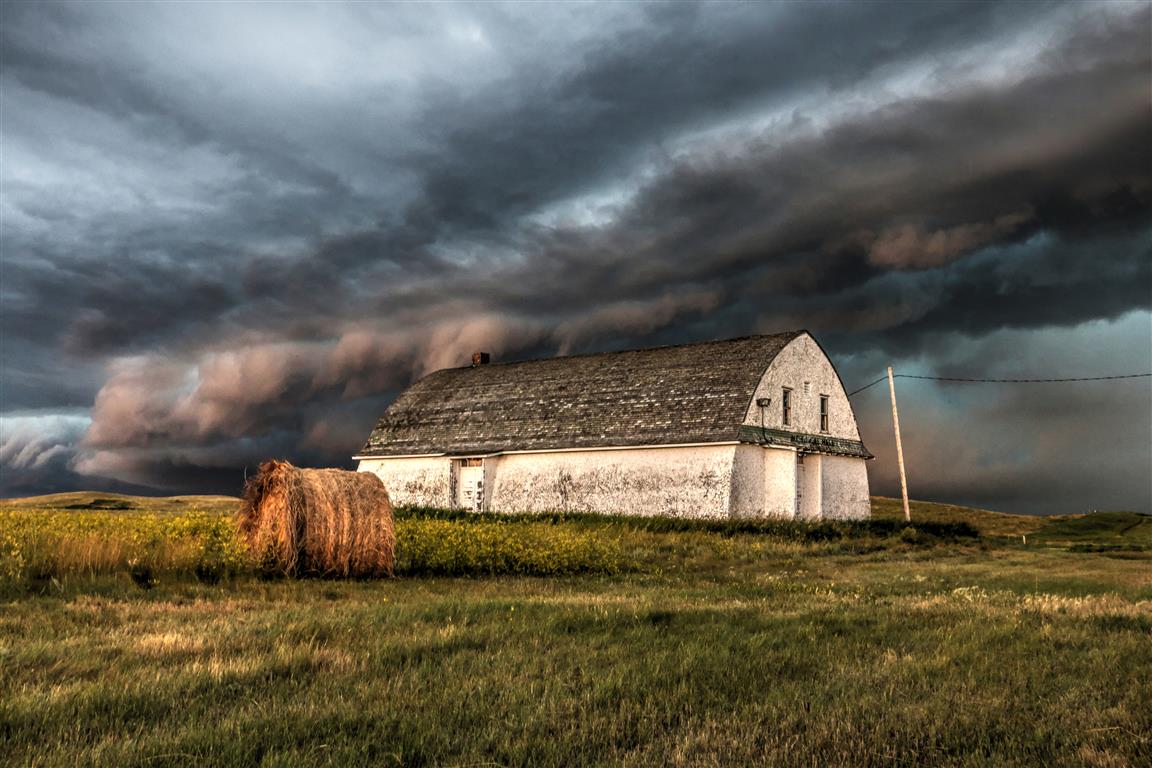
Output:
x,y
235,231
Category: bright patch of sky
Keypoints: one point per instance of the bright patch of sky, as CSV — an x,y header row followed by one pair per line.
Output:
x,y
787,117
30,440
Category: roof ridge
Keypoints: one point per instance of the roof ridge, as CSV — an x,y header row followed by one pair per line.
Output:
x,y
793,334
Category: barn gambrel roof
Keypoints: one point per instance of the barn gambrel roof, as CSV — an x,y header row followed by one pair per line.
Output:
x,y
690,393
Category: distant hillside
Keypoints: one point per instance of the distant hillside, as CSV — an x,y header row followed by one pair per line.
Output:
x,y
1108,530
88,500
989,523
1129,530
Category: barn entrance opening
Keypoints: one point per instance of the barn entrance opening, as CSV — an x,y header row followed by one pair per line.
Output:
x,y
470,484
799,486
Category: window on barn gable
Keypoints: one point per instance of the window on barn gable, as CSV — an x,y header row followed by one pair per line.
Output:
x,y
786,406
823,413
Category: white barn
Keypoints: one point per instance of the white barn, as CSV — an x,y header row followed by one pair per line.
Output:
x,y
752,427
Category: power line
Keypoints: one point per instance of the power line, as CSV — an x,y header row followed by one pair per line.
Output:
x,y
882,378
1002,381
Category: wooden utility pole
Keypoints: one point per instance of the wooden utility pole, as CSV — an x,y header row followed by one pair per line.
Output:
x,y
899,448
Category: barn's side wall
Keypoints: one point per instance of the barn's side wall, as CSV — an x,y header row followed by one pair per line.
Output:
x,y
693,481
419,481
705,481
844,488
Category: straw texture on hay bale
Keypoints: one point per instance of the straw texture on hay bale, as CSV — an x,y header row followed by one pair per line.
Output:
x,y
318,522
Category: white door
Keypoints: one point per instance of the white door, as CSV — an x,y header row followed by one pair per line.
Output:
x,y
470,488
799,485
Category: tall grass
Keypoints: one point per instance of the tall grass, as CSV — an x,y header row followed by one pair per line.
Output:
x,y
41,545
785,530
458,548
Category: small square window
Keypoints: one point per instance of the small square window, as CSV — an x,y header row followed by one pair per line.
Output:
x,y
786,406
823,413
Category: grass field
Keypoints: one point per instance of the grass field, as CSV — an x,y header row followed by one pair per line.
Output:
x,y
700,645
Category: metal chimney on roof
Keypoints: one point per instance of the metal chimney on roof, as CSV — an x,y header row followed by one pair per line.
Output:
x,y
480,358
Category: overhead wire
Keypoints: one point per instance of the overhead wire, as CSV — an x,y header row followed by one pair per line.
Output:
x,y
1002,381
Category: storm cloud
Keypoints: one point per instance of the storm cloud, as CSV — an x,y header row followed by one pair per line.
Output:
x,y
237,231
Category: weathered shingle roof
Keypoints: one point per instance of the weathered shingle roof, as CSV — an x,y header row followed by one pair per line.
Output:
x,y
692,393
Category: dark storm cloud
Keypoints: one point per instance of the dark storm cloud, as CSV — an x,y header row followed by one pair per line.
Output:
x,y
242,238
638,87
912,186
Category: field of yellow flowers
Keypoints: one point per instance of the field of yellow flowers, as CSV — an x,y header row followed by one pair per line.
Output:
x,y
45,542
42,544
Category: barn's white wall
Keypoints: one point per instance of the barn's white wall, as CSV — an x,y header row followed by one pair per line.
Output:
x,y
802,361
697,481
844,488
421,481
679,482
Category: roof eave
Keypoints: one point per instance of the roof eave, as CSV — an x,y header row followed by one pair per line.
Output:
x,y
804,441
521,451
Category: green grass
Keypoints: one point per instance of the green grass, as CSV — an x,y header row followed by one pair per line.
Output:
x,y
715,646
792,530
43,545
986,522
1104,530
431,547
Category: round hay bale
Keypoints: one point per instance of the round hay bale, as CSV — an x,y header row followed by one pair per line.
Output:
x,y
318,522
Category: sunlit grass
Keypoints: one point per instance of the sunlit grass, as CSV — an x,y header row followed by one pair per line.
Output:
x,y
43,544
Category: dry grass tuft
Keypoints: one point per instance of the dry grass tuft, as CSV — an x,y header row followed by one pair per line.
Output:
x,y
318,522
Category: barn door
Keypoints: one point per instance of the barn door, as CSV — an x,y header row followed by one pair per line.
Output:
x,y
799,485
470,485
